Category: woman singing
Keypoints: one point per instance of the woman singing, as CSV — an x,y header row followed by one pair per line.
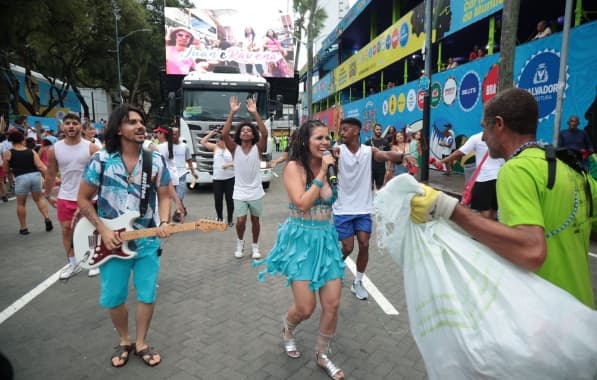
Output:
x,y
306,249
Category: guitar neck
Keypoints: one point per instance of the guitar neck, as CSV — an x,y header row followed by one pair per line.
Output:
x,y
148,232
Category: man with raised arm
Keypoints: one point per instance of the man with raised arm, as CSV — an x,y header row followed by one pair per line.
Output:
x,y
246,147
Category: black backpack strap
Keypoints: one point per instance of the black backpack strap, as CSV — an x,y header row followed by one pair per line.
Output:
x,y
146,187
550,156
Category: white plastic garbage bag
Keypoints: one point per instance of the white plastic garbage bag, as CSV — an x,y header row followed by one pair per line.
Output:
x,y
475,315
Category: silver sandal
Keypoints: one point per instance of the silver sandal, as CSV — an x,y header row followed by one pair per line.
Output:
x,y
290,344
329,367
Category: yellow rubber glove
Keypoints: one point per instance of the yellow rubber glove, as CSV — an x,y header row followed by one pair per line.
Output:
x,y
432,204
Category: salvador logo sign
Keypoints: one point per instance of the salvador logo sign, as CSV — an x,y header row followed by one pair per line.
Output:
x,y
539,76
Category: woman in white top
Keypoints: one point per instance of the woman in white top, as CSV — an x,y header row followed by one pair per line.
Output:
x,y
223,174
164,147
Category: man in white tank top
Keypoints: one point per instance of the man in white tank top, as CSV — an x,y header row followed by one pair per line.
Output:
x,y
352,209
69,155
246,147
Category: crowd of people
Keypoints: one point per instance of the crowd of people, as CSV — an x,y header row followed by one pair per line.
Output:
x,y
328,209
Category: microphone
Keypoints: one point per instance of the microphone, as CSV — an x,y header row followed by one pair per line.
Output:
x,y
332,179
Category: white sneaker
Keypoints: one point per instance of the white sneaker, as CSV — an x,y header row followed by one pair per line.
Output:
x,y
68,272
358,290
93,272
239,250
256,254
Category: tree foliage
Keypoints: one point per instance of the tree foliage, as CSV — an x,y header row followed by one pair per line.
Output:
x,y
302,9
75,41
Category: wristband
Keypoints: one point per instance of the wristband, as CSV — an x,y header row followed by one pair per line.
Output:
x,y
317,182
162,222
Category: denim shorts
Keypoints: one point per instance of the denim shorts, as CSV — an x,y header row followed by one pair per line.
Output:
x,y
181,188
114,279
28,183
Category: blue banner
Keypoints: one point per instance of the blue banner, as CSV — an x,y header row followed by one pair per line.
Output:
x,y
458,95
324,87
460,14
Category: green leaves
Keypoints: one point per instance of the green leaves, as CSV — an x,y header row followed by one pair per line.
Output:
x,y
75,41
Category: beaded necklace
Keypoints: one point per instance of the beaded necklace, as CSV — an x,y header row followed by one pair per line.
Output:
x,y
570,219
528,144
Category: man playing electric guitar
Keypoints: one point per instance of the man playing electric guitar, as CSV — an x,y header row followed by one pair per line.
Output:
x,y
117,176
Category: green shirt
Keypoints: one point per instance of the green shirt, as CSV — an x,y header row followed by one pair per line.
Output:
x,y
524,199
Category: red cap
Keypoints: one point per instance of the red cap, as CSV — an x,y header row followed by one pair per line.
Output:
x,y
162,129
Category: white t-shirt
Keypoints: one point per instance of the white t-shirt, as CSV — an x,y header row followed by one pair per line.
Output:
x,y
4,146
221,157
163,149
97,142
247,179
354,182
491,167
182,153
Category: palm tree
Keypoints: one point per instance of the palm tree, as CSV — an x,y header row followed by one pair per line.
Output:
x,y
302,9
310,21
508,44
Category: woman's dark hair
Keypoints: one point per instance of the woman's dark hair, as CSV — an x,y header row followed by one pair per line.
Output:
x,y
299,147
30,142
400,132
251,32
169,140
16,137
273,36
117,117
254,129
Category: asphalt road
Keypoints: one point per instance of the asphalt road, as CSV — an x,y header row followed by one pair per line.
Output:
x,y
213,319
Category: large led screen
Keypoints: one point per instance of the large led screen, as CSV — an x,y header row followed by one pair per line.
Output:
x,y
256,40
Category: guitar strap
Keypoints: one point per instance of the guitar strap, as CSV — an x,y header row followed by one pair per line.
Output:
x,y
146,188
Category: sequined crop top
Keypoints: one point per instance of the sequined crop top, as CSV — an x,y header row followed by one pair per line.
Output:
x,y
321,209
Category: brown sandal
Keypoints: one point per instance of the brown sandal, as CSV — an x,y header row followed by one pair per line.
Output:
x,y
147,355
119,352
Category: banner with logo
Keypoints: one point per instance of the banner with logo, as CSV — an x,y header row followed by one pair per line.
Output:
x,y
256,40
458,95
399,40
455,15
324,87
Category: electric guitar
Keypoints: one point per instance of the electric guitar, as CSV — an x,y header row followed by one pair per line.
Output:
x,y
90,251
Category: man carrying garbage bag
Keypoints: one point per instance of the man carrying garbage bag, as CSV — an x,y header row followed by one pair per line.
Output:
x,y
499,300
540,229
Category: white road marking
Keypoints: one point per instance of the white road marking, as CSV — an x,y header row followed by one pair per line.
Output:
x,y
21,302
592,254
382,301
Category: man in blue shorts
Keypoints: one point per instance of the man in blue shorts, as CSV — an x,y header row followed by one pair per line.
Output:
x,y
352,209
115,175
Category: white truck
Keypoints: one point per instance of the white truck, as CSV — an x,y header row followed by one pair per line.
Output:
x,y
205,106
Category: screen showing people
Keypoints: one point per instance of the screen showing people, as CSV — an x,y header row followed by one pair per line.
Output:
x,y
253,41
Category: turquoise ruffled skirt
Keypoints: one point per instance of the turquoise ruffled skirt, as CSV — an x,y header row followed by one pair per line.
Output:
x,y
305,250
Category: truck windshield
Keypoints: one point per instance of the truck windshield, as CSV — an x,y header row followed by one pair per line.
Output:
x,y
214,104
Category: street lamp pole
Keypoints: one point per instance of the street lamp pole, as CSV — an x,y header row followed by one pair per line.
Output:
x,y
116,12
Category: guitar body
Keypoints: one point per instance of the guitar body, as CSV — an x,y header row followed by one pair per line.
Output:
x,y
89,249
